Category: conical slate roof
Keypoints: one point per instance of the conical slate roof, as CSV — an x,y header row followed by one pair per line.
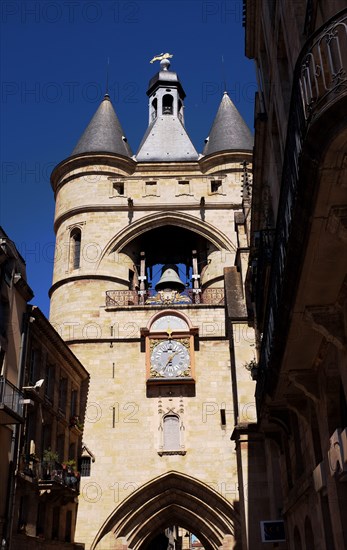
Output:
x,y
104,133
165,140
229,131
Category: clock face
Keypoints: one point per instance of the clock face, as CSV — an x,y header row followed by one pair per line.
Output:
x,y
169,322
170,359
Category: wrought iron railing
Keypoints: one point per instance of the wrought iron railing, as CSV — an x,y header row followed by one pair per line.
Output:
x,y
323,66
320,78
120,298
11,396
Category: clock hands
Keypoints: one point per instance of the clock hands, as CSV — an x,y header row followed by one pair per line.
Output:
x,y
170,358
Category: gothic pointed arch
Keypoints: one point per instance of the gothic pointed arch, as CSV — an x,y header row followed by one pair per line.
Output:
x,y
172,498
179,219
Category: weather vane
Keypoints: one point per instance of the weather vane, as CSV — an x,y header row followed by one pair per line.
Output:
x,y
161,56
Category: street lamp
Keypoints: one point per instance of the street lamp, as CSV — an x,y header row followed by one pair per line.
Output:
x,y
36,386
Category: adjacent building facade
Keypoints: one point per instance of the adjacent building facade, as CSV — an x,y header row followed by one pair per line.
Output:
x,y
14,295
43,393
50,462
148,292
297,277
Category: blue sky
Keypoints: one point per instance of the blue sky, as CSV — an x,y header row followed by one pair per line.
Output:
x,y
53,76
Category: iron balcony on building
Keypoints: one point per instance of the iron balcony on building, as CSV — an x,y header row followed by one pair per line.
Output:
x,y
49,477
11,403
261,265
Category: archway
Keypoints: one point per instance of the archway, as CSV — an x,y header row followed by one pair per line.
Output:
x,y
309,536
178,219
173,498
171,238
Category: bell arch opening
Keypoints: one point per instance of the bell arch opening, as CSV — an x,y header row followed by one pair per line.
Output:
x,y
196,252
167,104
170,218
174,257
173,500
169,246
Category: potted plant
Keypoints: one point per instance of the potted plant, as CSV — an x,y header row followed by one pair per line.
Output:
x,y
75,422
252,367
49,456
49,459
79,425
69,465
33,457
71,475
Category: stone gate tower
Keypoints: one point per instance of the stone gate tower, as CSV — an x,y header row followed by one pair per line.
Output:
x,y
148,292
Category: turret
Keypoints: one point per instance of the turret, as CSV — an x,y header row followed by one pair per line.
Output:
x,y
166,138
229,131
104,133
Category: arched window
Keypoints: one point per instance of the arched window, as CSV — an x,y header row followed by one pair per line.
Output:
x,y
309,537
171,435
75,248
154,108
299,461
297,539
167,104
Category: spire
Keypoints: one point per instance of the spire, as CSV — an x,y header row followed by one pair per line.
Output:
x,y
104,133
166,138
229,131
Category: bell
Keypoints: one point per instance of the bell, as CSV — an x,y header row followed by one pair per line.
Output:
x,y
170,279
